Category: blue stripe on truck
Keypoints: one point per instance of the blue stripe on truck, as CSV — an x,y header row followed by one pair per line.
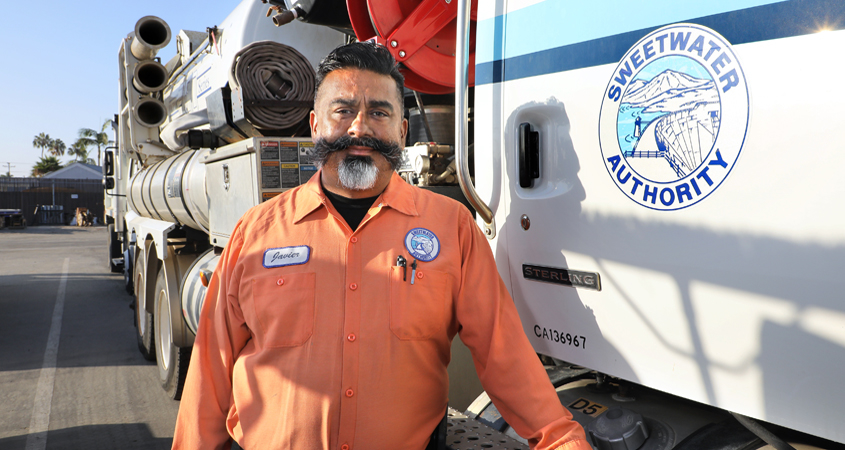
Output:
x,y
555,23
760,23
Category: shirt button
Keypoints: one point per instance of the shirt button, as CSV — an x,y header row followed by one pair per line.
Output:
x,y
351,337
280,281
354,239
344,447
350,392
353,286
419,274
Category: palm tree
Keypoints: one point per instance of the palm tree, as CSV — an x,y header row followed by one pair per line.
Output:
x,y
46,165
79,150
57,147
42,141
93,137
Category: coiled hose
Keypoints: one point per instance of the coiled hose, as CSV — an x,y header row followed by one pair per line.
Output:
x,y
276,84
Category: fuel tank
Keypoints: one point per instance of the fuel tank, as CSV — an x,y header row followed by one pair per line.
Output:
x,y
173,190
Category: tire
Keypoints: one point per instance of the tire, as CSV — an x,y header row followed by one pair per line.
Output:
x,y
129,266
172,360
114,250
144,325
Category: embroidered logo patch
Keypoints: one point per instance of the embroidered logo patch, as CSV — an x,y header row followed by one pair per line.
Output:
x,y
286,256
422,244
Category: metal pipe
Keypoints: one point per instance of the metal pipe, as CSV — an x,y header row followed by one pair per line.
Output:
x,y
151,35
461,137
149,112
449,171
194,56
149,76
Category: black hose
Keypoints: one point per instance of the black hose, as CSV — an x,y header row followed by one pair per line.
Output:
x,y
420,105
276,83
762,433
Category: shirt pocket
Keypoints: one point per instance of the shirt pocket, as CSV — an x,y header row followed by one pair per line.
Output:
x,y
418,311
284,308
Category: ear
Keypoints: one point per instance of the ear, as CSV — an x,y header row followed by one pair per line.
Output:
x,y
312,120
403,130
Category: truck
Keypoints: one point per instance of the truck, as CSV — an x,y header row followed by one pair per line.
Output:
x,y
657,181
200,139
194,140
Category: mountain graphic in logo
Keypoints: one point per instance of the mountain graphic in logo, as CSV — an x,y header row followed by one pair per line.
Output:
x,y
683,115
674,117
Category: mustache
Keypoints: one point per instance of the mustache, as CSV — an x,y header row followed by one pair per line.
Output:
x,y
323,148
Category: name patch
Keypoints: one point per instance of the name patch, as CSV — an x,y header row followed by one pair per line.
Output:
x,y
566,277
286,256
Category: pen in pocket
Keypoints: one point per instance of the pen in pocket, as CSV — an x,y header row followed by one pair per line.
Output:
x,y
401,262
414,271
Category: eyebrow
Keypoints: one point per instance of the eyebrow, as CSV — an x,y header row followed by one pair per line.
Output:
x,y
372,104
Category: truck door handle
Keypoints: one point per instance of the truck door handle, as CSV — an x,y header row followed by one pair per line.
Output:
x,y
461,136
529,155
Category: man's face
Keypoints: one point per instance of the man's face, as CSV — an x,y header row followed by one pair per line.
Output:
x,y
356,117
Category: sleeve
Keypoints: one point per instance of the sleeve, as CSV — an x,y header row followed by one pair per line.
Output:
x,y
506,363
221,335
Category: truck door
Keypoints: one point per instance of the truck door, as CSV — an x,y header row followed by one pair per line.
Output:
x,y
666,181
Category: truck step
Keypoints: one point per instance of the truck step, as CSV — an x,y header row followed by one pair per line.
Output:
x,y
464,433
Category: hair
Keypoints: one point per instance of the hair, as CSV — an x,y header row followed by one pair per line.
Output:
x,y
322,149
364,56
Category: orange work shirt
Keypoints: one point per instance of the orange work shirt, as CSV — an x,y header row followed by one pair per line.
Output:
x,y
311,336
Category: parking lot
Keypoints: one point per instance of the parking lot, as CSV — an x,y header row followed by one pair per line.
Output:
x,y
71,376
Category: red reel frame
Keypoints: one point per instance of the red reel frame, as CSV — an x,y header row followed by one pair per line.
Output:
x,y
420,34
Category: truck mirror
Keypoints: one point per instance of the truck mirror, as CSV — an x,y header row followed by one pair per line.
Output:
x,y
109,182
108,165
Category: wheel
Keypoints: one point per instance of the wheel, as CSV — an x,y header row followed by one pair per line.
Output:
x,y
172,360
143,319
114,250
128,266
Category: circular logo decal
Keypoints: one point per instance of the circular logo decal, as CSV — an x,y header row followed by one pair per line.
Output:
x,y
422,244
674,117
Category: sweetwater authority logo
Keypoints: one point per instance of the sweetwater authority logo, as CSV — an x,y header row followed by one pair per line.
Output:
x,y
422,244
674,117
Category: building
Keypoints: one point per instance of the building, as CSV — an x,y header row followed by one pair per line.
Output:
x,y
77,171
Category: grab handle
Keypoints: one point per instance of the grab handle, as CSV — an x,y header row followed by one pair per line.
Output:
x,y
461,138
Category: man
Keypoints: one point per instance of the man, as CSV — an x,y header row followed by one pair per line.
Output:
x,y
329,318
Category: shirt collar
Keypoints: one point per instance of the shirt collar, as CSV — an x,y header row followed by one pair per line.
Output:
x,y
398,195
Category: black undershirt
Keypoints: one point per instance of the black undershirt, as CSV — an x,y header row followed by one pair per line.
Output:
x,y
352,210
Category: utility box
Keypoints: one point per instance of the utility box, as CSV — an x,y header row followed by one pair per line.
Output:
x,y
257,169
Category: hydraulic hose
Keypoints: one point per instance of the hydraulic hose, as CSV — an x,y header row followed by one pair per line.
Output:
x,y
170,134
762,433
276,83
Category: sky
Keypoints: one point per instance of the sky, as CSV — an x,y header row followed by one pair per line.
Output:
x,y
59,68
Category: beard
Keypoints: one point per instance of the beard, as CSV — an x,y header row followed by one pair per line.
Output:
x,y
357,172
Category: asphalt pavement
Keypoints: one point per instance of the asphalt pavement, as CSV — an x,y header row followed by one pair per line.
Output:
x,y
71,376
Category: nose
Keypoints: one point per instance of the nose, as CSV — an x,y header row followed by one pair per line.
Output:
x,y
360,126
